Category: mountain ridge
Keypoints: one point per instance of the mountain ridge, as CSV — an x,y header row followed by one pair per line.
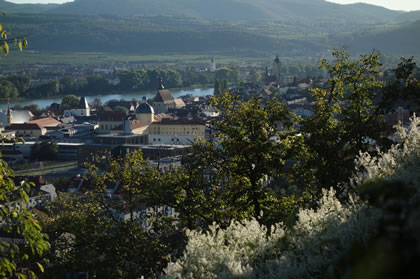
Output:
x,y
231,9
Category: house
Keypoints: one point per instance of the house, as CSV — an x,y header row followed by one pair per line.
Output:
x,y
33,130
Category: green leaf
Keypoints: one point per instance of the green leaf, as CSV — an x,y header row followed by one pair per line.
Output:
x,y
40,267
6,48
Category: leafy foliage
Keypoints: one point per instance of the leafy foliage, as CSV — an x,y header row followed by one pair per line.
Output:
x,y
346,120
109,235
69,102
22,239
44,151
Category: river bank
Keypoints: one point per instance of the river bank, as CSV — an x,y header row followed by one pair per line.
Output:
x,y
138,95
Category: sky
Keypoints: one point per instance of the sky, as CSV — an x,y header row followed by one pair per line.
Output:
x,y
405,5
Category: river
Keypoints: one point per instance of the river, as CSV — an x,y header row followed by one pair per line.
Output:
x,y
46,102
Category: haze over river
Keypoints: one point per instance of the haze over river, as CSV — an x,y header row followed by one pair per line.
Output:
x,y
46,102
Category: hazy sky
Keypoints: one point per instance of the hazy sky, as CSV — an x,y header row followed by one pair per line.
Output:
x,y
39,1
406,5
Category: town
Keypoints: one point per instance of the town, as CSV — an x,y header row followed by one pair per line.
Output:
x,y
196,139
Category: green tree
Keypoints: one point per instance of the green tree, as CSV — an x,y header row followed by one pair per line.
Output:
x,y
106,235
69,85
402,90
69,102
21,82
231,75
97,84
253,140
120,109
22,238
44,151
346,120
8,89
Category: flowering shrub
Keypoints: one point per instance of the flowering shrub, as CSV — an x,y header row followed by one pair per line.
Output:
x,y
401,162
320,237
245,250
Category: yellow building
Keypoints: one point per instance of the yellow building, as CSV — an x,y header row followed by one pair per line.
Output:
x,y
33,130
179,131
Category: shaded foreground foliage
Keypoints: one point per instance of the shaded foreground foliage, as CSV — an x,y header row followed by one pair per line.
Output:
x,y
256,193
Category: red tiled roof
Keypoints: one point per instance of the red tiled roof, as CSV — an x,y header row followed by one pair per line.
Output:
x,y
45,122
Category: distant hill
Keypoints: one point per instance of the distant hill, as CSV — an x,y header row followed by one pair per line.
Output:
x,y
404,40
410,16
8,7
232,9
253,28
156,34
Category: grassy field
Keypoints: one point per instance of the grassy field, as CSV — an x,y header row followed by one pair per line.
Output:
x,y
95,58
152,60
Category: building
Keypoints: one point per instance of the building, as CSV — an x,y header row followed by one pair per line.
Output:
x,y
14,117
276,68
163,101
176,131
27,130
46,122
82,110
109,120
145,112
212,67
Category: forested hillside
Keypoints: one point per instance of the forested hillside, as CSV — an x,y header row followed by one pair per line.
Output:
x,y
232,9
240,27
8,7
404,40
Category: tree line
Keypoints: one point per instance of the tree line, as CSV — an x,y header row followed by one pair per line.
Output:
x,y
22,86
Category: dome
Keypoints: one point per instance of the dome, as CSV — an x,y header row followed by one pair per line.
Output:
x,y
144,108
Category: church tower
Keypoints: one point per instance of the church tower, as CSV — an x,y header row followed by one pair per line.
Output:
x,y
9,117
145,112
212,67
276,69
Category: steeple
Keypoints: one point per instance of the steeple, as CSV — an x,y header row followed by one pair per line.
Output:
x,y
212,66
9,113
161,86
276,68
